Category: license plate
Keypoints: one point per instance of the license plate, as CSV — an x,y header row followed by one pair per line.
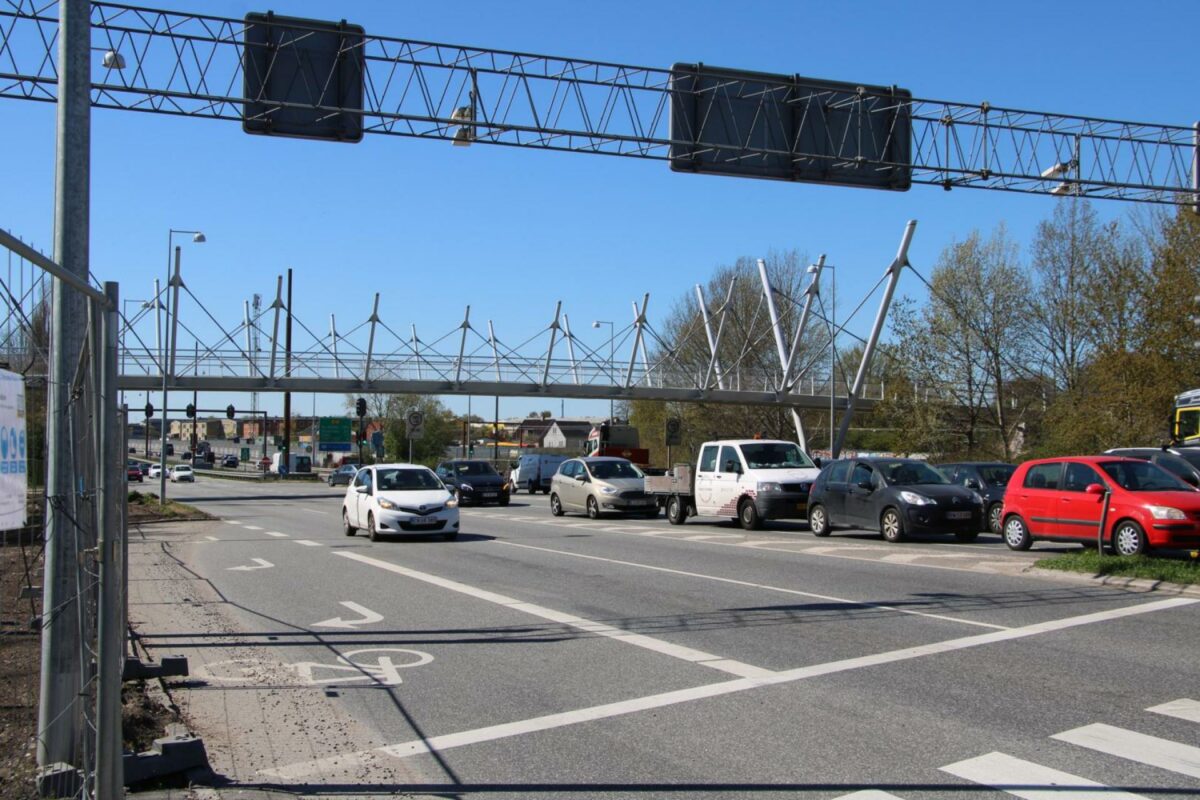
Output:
x,y
490,494
958,515
423,521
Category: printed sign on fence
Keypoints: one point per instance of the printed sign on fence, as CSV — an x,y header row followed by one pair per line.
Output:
x,y
13,451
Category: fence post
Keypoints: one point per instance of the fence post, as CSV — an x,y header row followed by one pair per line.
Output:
x,y
109,547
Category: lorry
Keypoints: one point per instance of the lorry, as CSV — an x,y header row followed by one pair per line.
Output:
x,y
1185,419
296,463
613,439
748,480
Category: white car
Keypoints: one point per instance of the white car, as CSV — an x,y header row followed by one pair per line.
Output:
x,y
399,498
155,471
182,473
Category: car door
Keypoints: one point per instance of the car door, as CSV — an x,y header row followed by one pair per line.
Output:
x,y
571,487
353,498
726,487
834,496
1038,496
705,478
1079,512
860,491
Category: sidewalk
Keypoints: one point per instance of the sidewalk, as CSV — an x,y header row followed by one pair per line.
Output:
x,y
252,709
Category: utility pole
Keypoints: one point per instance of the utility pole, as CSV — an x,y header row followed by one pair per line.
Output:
x,y
286,451
61,667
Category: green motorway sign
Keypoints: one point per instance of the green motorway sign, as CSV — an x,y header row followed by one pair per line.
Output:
x,y
333,431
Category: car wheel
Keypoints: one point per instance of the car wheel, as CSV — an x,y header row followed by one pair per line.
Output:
x,y
748,515
372,534
555,506
818,521
676,511
1128,539
347,528
1016,534
593,508
891,527
966,536
993,517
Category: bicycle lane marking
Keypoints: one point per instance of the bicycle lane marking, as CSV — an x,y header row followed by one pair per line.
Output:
x,y
507,730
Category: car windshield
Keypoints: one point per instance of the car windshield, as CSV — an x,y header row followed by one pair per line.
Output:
x,y
405,480
1142,476
909,473
997,474
474,468
1190,456
607,470
775,455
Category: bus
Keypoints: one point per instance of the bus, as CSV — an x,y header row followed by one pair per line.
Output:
x,y
1185,419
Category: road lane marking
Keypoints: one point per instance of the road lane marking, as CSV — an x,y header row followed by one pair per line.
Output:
x,y
212,538
1180,709
308,543
869,794
261,562
1032,781
751,585
368,617
277,534
253,528
1162,753
591,626
638,704
315,511
232,522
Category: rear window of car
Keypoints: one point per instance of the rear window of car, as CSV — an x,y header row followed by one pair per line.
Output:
x,y
1043,476
997,474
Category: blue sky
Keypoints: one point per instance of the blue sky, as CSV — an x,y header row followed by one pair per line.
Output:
x,y
511,231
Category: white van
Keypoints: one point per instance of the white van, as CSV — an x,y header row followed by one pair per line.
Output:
x,y
533,472
297,462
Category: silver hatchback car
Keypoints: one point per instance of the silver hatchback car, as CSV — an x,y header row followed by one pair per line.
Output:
x,y
600,485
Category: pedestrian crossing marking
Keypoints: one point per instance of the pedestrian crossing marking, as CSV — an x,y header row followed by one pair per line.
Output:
x,y
1181,709
1134,746
1032,781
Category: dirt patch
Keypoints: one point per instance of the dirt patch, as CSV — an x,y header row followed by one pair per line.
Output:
x,y
144,507
20,655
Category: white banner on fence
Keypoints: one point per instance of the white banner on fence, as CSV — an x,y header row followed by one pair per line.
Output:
x,y
13,450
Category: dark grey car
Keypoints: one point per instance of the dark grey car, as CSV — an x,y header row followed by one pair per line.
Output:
x,y
342,476
1182,462
989,478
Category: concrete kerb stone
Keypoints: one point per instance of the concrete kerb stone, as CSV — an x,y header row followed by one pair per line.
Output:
x,y
1118,582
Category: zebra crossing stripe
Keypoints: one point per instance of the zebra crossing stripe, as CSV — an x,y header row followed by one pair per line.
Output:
x,y
1032,781
1162,753
1180,709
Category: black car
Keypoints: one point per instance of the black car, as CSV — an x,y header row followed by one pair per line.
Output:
x,y
1182,462
989,478
343,475
474,481
897,496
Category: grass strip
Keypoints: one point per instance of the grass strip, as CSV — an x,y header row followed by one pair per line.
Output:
x,y
1172,570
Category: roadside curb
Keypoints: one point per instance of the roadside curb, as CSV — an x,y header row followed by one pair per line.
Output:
x,y
1119,582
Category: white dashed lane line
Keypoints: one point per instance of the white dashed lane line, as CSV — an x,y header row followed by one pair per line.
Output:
x,y
308,543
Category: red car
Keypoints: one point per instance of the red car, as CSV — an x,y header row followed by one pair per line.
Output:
x,y
133,473
1061,500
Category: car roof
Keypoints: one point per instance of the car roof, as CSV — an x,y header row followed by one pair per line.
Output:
x,y
975,464
396,465
1101,459
598,459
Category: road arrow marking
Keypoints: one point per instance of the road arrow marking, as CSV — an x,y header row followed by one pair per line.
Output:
x,y
368,617
262,564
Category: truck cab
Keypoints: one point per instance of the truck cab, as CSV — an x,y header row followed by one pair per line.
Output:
x,y
750,480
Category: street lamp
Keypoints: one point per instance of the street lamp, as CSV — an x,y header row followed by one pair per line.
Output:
x,y
832,339
611,335
198,238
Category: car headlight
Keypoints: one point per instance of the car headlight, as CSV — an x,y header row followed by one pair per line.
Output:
x,y
769,486
388,504
607,490
466,487
451,503
1166,512
914,499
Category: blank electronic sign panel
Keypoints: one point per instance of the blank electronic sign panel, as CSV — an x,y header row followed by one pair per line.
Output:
x,y
786,127
302,78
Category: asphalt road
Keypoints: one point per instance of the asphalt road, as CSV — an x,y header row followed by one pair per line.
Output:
x,y
564,657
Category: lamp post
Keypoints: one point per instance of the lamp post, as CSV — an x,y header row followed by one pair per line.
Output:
x,y
832,341
611,335
167,345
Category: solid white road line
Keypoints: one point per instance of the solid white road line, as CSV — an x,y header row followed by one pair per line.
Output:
x,y
277,534
1181,709
308,543
768,587
868,794
599,628
638,704
1032,781
1134,746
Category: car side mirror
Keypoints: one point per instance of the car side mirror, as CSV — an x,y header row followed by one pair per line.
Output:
x,y
973,483
1094,488
360,489
864,485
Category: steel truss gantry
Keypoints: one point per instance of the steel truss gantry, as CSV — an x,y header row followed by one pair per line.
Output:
x,y
192,65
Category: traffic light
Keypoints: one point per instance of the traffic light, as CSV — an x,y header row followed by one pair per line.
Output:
x,y
230,411
471,449
149,410
360,406
191,410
